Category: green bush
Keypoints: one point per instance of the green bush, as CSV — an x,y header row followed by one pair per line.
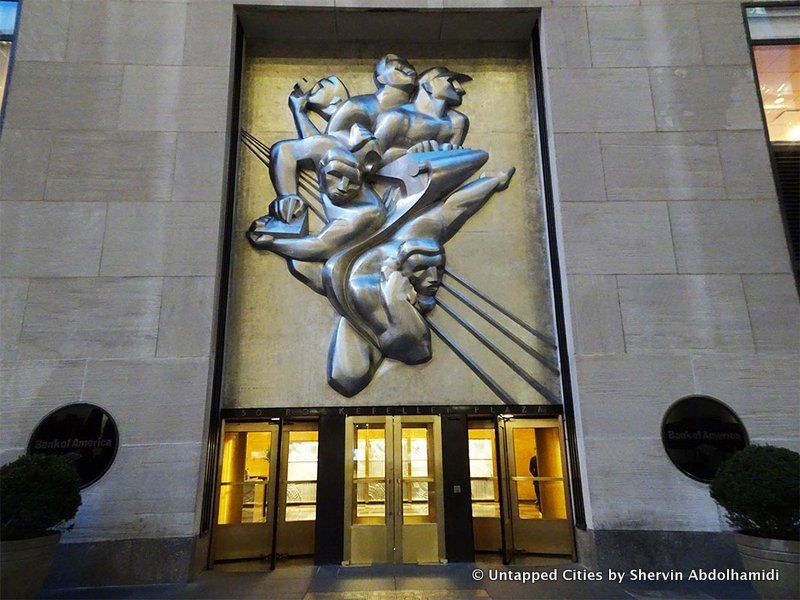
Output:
x,y
759,487
37,493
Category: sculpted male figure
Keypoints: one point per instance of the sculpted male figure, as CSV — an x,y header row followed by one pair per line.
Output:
x,y
392,300
351,208
395,82
378,260
430,122
350,127
324,98
393,285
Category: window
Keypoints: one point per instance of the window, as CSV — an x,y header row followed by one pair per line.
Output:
x,y
244,480
483,473
301,476
778,70
8,27
774,33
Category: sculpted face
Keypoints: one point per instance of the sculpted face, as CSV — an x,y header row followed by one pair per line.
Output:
x,y
327,94
342,181
395,71
447,88
424,272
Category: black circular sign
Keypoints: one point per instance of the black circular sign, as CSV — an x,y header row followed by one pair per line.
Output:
x,y
84,434
699,433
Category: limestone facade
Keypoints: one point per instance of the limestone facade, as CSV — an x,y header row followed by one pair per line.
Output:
x,y
112,186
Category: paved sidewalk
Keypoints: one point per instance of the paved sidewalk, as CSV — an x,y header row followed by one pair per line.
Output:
x,y
402,582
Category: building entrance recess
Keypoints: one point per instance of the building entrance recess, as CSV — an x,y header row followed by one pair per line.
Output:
x,y
393,480
267,491
520,499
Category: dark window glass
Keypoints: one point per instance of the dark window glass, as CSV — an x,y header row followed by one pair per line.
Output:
x,y
773,22
8,17
8,24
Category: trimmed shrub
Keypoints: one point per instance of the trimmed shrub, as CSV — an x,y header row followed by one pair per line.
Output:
x,y
37,493
759,487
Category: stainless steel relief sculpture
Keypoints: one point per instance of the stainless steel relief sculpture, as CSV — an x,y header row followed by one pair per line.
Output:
x,y
387,181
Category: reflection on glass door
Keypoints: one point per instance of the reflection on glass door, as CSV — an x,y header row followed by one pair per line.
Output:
x,y
417,475
369,473
297,503
418,537
246,486
367,477
484,486
537,498
392,470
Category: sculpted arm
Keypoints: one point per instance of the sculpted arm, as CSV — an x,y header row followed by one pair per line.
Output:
x,y
288,155
407,336
316,247
466,201
387,132
302,122
349,114
460,128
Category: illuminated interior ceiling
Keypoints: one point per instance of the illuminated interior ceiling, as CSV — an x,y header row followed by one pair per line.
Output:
x,y
779,77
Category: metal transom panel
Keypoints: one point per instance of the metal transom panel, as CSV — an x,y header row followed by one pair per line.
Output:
x,y
394,508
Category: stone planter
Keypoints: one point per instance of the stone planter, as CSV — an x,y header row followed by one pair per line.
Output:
x,y
765,554
24,565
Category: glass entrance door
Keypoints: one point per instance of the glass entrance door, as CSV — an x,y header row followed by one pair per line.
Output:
x,y
368,476
297,501
250,472
393,504
537,502
246,490
484,486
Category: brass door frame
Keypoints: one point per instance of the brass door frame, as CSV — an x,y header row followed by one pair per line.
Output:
x,y
510,497
246,530
393,522
407,536
506,528
292,536
350,423
486,524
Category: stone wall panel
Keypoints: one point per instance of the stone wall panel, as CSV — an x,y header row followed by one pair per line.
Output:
x,y
97,317
51,239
